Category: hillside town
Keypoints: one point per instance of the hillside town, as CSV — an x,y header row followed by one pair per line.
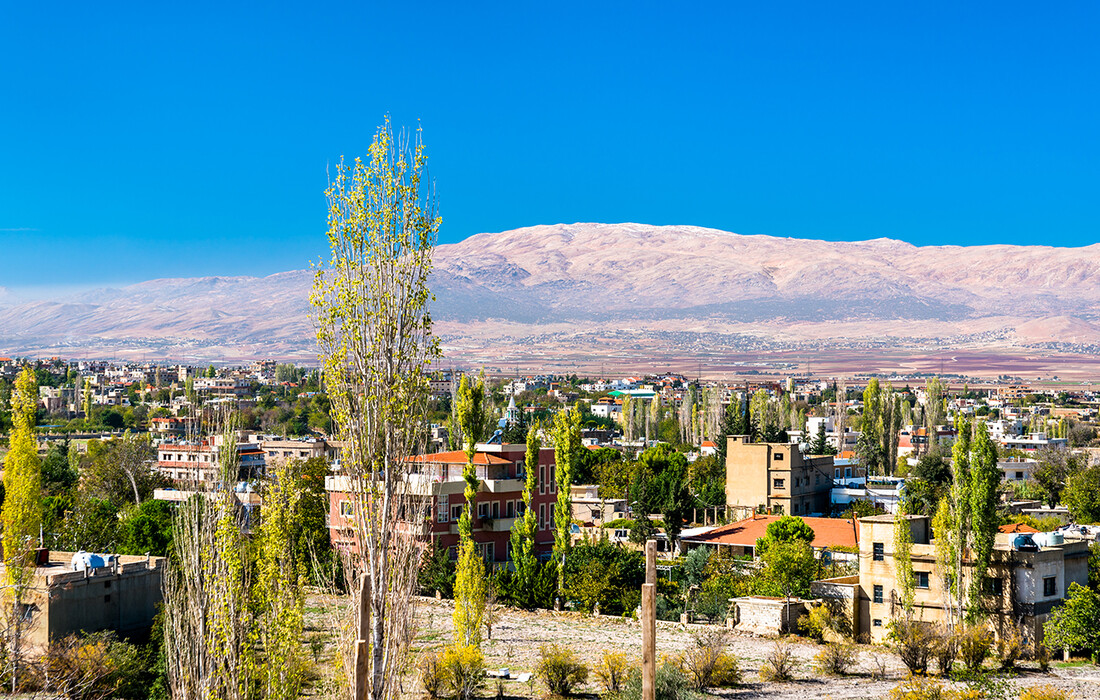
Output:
x,y
780,507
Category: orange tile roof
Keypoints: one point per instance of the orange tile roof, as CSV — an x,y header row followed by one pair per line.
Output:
x,y
459,457
828,532
709,443
847,454
1016,527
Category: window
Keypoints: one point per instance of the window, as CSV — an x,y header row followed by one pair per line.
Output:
x,y
878,594
922,579
542,516
877,552
622,534
510,511
795,509
106,584
778,457
347,509
542,478
1050,585
992,586
847,472
482,510
443,510
107,598
521,508
836,473
456,512
779,483
494,510
877,623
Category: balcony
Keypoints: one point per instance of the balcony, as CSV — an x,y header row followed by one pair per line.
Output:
x,y
503,485
497,525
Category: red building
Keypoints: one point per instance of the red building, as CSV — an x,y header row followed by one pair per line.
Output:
x,y
501,470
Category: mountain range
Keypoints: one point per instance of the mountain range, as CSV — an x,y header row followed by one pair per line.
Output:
x,y
594,282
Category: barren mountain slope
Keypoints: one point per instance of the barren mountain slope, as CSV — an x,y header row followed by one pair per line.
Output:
x,y
654,279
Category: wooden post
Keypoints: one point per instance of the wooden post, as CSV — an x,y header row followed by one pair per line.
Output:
x,y
649,623
362,646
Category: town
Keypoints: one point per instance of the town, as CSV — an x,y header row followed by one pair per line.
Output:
x,y
778,507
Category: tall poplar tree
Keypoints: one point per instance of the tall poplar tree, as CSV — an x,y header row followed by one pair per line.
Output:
x,y
524,528
376,344
471,589
567,448
22,511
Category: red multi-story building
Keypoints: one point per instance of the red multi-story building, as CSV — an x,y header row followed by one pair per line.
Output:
x,y
501,471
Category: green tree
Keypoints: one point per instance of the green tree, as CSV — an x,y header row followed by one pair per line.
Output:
x,y
22,511
525,527
1082,494
471,588
789,568
566,433
1055,467
146,528
376,344
211,372
1075,625
789,528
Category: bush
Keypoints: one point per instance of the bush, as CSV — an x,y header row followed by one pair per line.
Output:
x,y
945,648
919,688
560,669
823,623
778,664
974,647
671,684
913,641
465,670
612,670
836,659
708,662
1009,649
433,675
92,667
1044,692
1042,657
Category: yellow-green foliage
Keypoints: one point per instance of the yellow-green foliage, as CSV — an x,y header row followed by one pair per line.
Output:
x,y
975,644
560,669
612,670
835,659
823,623
709,664
22,511
470,594
465,670
433,675
567,447
924,688
1044,692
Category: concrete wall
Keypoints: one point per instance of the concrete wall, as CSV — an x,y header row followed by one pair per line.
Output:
x,y
767,617
842,593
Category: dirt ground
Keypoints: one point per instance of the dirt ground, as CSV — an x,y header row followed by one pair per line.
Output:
x,y
517,636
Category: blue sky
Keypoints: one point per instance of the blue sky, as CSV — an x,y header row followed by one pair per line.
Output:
x,y
147,140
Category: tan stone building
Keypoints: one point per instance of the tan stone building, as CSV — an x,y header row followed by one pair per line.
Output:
x,y
122,596
776,477
1021,586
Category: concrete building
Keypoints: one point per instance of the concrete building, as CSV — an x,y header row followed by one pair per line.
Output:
x,y
200,461
437,478
1021,587
278,450
776,477
122,596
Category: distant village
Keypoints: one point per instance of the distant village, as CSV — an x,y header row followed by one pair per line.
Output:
x,y
752,453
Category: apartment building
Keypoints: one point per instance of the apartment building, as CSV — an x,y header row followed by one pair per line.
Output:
x,y
776,477
437,479
1021,587
66,597
198,461
278,450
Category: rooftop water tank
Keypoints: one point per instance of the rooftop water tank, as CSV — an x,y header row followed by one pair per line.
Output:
x,y
1024,543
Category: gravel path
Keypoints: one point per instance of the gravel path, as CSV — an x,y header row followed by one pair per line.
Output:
x,y
517,636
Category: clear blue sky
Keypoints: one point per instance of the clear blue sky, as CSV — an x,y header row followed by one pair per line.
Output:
x,y
148,140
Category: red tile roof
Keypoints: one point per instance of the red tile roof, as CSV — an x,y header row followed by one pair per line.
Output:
x,y
459,457
1016,527
828,532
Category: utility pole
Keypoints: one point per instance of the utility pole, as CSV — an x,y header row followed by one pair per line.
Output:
x,y
362,646
649,622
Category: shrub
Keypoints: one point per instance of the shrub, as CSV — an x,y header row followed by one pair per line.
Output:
x,y
464,667
1009,649
918,688
1042,656
560,669
671,684
92,667
708,662
612,670
824,623
433,675
913,642
945,648
1044,692
836,659
879,667
778,664
974,647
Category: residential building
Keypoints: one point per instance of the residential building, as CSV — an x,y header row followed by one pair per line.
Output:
x,y
592,511
200,460
437,478
278,450
836,535
66,596
1022,586
776,477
